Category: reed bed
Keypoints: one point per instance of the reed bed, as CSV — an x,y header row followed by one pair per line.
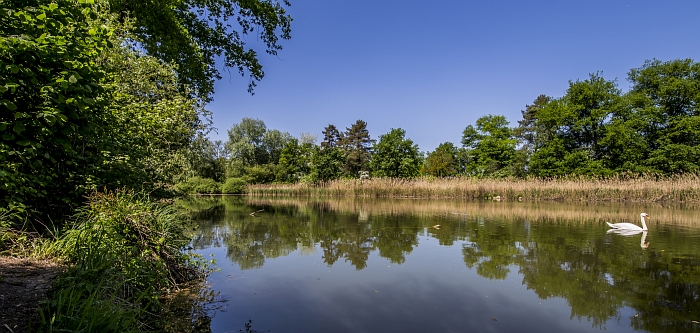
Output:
x,y
646,188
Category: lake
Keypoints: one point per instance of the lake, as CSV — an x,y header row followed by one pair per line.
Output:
x,y
408,265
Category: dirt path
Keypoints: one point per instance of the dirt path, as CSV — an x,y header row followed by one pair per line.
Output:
x,y
23,284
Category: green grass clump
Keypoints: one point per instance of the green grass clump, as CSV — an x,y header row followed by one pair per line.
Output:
x,y
124,252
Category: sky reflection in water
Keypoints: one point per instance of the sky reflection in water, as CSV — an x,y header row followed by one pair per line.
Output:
x,y
382,266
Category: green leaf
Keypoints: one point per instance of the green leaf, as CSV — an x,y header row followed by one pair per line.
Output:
x,y
72,79
53,6
10,106
18,128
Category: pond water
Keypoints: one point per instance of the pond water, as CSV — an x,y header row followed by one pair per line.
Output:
x,y
354,265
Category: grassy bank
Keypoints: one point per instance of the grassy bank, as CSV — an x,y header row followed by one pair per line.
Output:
x,y
122,254
684,188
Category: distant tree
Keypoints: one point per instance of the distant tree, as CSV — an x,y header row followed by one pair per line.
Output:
x,y
575,126
327,164
245,141
207,159
529,130
442,162
331,136
295,161
396,156
309,138
273,142
666,96
358,148
251,143
490,146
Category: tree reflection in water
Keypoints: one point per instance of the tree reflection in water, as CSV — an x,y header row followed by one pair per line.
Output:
x,y
557,253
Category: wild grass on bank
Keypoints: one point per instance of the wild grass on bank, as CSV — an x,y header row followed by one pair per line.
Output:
x,y
644,188
124,252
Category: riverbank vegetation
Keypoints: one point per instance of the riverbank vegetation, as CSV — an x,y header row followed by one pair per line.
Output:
x,y
100,103
594,143
680,188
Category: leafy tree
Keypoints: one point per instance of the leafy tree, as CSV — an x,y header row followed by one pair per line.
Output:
x,y
245,141
490,146
295,161
207,159
273,142
575,126
666,96
327,164
193,34
396,156
358,148
443,162
251,143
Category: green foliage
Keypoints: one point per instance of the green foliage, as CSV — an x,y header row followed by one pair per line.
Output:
x,y
233,186
152,124
576,126
358,148
193,34
260,174
331,137
80,110
327,164
51,106
295,161
198,185
395,156
665,95
251,143
490,147
443,162
139,245
206,158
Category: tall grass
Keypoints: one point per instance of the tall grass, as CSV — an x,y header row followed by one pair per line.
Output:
x,y
644,188
124,252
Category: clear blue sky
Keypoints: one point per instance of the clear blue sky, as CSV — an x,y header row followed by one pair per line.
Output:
x,y
434,67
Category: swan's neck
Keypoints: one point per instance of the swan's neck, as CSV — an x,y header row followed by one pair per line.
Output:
x,y
644,225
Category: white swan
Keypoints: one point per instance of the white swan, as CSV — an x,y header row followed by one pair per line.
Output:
x,y
630,226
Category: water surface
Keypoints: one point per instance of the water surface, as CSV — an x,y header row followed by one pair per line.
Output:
x,y
347,265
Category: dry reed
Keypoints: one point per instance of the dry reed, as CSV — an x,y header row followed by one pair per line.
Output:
x,y
682,188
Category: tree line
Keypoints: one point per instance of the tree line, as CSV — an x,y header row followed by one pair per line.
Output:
x,y
594,129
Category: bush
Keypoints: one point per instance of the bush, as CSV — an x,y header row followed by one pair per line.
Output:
x,y
198,185
138,245
233,186
260,174
207,186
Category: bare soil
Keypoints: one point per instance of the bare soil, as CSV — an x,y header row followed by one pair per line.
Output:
x,y
23,285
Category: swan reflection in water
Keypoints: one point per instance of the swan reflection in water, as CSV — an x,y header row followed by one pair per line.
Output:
x,y
629,233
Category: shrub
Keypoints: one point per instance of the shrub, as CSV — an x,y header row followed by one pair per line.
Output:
x,y
198,185
260,174
207,186
137,244
233,186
